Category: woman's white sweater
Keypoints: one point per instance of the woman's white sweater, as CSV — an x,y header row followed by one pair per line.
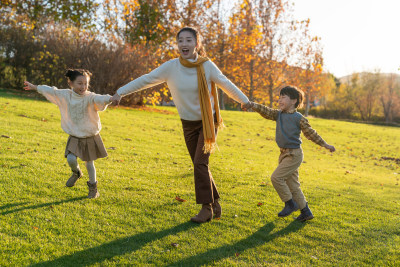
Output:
x,y
182,82
79,113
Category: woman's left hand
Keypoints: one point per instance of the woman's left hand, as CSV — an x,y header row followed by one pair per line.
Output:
x,y
115,99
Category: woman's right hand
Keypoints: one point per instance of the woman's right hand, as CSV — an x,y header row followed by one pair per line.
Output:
x,y
115,99
29,86
247,106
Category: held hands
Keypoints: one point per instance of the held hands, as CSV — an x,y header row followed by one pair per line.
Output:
x,y
247,106
115,99
331,148
29,86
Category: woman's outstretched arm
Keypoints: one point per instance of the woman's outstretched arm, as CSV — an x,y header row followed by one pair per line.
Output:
x,y
153,78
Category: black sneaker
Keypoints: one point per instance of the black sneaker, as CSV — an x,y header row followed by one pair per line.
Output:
x,y
305,215
290,206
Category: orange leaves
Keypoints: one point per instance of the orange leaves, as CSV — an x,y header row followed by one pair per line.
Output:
x,y
180,199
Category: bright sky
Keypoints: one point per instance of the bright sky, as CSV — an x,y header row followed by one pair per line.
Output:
x,y
357,35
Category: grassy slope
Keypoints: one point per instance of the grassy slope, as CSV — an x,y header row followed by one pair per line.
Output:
x,y
353,194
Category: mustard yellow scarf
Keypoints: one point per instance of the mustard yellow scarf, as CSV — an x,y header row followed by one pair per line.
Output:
x,y
205,104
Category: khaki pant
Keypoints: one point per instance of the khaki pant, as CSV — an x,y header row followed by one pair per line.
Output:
x,y
206,191
286,176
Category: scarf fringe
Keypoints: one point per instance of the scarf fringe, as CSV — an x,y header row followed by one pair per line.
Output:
x,y
209,147
220,126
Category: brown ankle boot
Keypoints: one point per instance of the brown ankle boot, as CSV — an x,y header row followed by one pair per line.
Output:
x,y
93,193
216,209
74,177
205,214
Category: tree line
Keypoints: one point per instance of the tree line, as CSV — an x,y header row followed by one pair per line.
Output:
x,y
258,44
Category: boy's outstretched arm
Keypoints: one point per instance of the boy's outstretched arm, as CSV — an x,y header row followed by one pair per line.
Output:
x,y
312,135
266,112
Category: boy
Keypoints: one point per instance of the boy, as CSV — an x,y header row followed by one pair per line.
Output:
x,y
289,123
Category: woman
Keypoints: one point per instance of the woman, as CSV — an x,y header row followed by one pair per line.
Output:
x,y
191,79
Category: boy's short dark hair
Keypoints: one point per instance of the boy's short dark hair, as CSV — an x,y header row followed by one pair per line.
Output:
x,y
293,93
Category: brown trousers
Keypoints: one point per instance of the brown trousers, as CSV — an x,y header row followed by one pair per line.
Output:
x,y
206,191
286,176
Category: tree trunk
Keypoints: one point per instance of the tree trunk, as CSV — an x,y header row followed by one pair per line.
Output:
x,y
270,90
221,99
251,90
307,104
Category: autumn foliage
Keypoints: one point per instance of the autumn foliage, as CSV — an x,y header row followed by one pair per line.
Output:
x,y
256,43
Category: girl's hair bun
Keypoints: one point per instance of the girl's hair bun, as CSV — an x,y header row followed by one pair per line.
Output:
x,y
71,74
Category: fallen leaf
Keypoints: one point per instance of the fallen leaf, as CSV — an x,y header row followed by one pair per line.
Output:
x,y
128,139
259,204
237,254
5,136
180,199
34,227
22,115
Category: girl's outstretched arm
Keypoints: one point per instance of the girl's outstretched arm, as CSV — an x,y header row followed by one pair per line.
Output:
x,y
29,86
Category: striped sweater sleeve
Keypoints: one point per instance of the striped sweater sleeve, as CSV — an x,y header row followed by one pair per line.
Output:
x,y
266,112
310,133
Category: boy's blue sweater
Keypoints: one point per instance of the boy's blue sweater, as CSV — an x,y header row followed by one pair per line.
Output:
x,y
288,130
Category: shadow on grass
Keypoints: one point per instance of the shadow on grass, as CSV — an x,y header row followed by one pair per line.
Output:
x,y
115,248
259,238
36,206
7,206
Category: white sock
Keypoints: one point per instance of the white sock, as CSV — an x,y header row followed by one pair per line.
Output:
x,y
73,162
91,171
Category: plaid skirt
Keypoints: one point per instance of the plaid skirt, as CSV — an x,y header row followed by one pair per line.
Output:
x,y
87,149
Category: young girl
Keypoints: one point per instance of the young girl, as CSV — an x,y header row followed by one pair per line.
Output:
x,y
191,79
289,124
80,119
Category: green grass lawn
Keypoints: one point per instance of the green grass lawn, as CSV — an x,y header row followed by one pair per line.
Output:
x,y
353,193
